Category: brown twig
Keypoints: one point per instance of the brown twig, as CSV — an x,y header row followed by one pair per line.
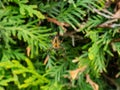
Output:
x,y
112,17
112,81
55,21
116,40
102,14
107,12
109,25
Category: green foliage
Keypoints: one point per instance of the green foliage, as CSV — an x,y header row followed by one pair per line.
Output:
x,y
73,11
29,74
31,58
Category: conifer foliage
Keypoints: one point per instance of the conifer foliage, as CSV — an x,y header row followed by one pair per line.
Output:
x,y
59,44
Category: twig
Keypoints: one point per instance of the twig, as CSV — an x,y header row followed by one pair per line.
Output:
x,y
55,21
109,25
115,25
112,81
110,21
107,12
102,14
116,40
